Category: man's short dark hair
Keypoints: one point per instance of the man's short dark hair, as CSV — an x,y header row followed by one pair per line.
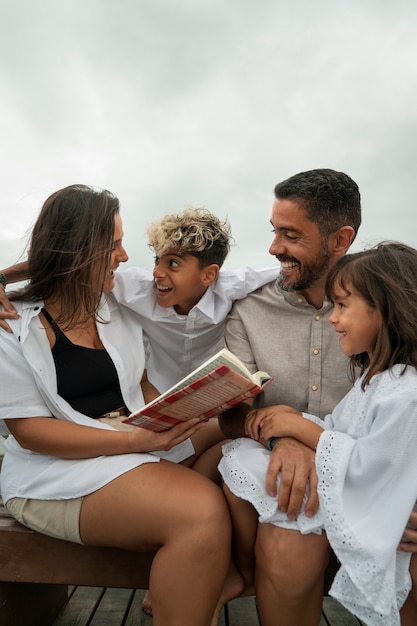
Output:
x,y
331,199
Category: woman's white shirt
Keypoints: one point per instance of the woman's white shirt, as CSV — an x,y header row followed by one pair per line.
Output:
x,y
29,389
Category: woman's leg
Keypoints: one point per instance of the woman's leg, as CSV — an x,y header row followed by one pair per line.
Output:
x,y
289,576
207,444
166,506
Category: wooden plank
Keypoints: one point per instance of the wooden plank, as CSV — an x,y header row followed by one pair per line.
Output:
x,y
81,605
92,606
113,607
337,615
136,617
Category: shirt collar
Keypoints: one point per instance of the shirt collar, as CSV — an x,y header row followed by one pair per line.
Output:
x,y
296,299
205,306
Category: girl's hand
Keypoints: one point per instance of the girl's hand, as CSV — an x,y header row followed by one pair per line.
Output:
x,y
269,421
143,440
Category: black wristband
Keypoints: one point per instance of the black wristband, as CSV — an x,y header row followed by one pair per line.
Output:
x,y
271,442
3,280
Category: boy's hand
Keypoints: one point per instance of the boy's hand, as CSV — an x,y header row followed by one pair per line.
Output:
x,y
7,311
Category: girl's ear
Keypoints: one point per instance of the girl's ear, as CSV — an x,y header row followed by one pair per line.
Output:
x,y
210,273
340,241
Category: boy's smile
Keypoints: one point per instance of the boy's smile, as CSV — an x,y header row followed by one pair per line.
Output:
x,y
180,281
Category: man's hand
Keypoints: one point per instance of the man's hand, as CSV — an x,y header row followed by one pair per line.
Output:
x,y
296,463
409,538
7,311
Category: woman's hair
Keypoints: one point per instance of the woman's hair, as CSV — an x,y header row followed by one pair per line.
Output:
x,y
69,251
386,278
194,231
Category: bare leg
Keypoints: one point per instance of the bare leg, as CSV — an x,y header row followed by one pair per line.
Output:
x,y
244,529
208,451
289,576
166,506
240,578
409,610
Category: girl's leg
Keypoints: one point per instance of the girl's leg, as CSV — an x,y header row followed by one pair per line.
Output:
x,y
409,610
182,514
289,576
240,578
207,444
244,528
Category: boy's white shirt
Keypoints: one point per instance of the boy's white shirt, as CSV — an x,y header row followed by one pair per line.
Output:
x,y
176,344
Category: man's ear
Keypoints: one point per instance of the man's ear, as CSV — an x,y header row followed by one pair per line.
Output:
x,y
340,241
210,273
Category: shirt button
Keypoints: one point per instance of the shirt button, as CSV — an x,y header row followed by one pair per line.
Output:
x,y
317,318
300,300
314,387
315,351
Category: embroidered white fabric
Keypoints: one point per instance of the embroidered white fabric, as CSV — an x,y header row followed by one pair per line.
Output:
x,y
366,462
243,468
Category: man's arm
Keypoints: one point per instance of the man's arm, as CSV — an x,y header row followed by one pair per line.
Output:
x,y
12,274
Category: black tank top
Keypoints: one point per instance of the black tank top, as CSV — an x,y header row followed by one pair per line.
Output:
x,y
87,378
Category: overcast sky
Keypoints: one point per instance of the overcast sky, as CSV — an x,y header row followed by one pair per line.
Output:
x,y
171,103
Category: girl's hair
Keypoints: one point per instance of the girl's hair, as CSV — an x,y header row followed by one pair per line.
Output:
x,y
386,278
69,251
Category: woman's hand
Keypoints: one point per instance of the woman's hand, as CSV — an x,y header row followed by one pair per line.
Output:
x,y
143,440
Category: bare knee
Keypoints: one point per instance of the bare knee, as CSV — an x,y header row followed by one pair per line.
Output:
x,y
209,517
292,562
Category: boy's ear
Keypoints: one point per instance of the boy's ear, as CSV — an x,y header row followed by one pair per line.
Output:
x,y
210,273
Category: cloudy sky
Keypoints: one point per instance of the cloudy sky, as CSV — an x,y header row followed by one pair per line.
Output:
x,y
170,103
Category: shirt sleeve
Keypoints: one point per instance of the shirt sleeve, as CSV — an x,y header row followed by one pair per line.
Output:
x,y
20,396
367,490
239,283
132,287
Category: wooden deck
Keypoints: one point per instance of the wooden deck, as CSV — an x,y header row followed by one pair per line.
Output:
x,y
97,606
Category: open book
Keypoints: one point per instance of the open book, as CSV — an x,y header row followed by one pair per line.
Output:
x,y
215,386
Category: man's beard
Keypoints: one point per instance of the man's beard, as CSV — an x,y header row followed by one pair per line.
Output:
x,y
309,274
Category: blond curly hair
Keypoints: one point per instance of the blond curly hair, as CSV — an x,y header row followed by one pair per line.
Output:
x,y
194,231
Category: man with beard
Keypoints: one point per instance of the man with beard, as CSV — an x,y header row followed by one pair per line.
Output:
x,y
283,328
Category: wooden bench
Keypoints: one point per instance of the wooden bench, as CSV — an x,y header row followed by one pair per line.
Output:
x,y
35,571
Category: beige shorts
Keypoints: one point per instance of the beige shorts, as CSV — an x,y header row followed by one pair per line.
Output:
x,y
56,518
